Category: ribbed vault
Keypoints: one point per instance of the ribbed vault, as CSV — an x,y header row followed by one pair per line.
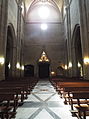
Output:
x,y
59,3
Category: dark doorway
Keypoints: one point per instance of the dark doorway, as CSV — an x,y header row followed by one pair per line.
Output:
x,y
9,53
29,71
44,69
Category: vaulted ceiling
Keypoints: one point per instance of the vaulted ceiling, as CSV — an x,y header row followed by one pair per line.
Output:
x,y
58,2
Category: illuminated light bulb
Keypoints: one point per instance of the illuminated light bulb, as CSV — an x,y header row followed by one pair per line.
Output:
x,y
79,65
2,60
47,60
22,67
52,72
86,60
43,53
44,26
9,65
70,64
43,12
18,66
66,67
40,60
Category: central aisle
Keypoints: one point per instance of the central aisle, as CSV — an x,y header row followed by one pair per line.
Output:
x,y
44,103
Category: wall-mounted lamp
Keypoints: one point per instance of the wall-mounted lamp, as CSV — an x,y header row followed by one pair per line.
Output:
x,y
2,60
22,67
86,60
70,65
18,65
79,65
9,65
53,73
66,67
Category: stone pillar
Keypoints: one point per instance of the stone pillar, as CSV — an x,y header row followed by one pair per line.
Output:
x,y
84,35
69,38
3,34
14,61
18,71
21,59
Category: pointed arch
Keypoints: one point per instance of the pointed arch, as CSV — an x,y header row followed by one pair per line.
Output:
x,y
77,52
10,52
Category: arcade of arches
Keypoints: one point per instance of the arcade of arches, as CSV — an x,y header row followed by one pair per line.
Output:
x,y
44,39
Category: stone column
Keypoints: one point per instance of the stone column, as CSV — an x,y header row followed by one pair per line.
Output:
x,y
21,59
19,36
84,35
69,37
3,34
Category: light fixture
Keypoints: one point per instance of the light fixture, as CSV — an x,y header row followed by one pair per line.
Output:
x,y
53,73
22,67
86,60
18,65
9,65
2,60
66,67
70,65
43,57
79,65
44,27
43,12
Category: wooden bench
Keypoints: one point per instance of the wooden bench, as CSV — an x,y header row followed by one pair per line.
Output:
x,y
81,108
62,85
10,91
5,108
67,92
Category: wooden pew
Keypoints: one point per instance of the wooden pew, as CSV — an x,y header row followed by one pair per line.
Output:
x,y
67,94
14,88
81,108
62,85
26,86
5,110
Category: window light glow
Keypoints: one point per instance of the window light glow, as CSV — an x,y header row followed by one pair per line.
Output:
x,y
64,10
43,12
2,60
44,26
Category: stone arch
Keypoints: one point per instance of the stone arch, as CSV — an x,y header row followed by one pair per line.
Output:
x,y
35,4
77,60
10,52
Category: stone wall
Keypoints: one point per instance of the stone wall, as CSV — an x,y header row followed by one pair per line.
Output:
x,y
9,17
74,14
12,13
51,41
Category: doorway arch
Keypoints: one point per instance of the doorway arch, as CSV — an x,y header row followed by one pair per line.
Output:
x,y
77,59
9,51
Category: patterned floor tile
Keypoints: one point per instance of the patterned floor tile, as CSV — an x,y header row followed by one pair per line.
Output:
x,y
44,115
44,103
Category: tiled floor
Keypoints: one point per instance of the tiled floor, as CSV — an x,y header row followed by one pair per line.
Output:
x,y
44,103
